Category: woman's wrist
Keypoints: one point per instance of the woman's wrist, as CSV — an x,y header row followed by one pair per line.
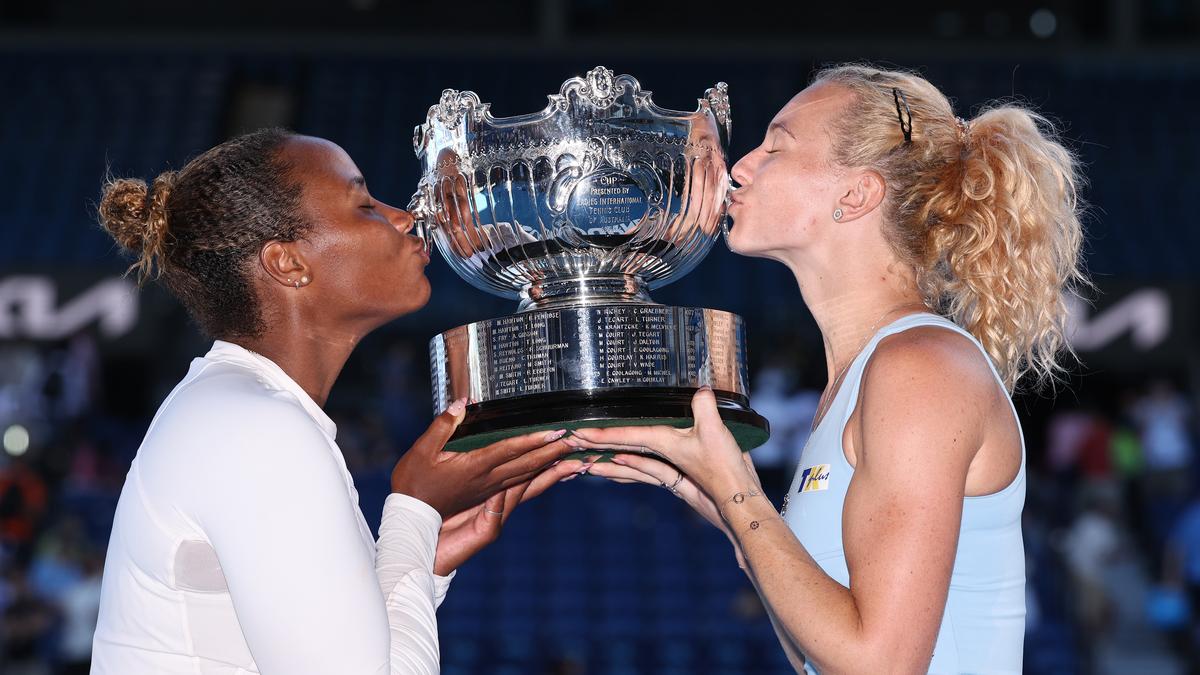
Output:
x,y
725,484
746,510
731,499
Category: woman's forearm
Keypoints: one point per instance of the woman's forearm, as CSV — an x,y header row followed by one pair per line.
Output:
x,y
812,613
794,655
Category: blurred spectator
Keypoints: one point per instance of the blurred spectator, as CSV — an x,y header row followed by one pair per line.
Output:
x,y
1163,417
23,497
80,607
1182,572
1129,467
25,621
71,378
1091,545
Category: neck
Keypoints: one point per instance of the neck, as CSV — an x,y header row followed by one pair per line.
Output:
x,y
852,302
312,357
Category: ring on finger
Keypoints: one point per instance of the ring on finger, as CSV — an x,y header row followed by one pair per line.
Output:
x,y
678,480
674,487
494,513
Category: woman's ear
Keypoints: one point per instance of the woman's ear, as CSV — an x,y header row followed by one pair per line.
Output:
x,y
863,195
283,263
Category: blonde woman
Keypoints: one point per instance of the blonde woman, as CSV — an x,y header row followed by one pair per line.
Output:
x,y
933,253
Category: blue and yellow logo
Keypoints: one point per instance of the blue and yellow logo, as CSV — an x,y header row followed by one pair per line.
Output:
x,y
815,478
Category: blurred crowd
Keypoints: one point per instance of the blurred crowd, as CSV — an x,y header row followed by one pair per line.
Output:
x,y
1112,518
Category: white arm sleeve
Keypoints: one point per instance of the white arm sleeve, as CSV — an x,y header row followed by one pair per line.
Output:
x,y
404,561
305,589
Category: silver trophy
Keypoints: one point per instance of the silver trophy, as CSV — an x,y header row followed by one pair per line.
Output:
x,y
578,211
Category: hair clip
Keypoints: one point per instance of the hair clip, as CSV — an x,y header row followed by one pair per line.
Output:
x,y
905,126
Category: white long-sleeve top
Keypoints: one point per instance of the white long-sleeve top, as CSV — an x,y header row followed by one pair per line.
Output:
x,y
239,547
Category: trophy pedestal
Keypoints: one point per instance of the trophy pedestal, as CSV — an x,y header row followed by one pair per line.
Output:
x,y
584,366
487,423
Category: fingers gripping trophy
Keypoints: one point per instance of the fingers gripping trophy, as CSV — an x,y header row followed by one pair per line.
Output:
x,y
578,211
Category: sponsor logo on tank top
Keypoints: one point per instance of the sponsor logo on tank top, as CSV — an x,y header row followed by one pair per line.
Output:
x,y
815,478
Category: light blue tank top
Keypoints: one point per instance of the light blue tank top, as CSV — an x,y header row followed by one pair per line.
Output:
x,y
983,627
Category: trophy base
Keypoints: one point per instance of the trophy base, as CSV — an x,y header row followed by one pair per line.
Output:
x,y
493,421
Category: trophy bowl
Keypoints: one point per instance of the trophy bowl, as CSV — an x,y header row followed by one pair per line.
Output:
x,y
578,211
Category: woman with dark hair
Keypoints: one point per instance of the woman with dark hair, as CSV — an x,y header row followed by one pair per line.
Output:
x,y
934,254
238,545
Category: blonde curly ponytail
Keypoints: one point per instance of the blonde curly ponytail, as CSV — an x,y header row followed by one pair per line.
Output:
x,y
986,212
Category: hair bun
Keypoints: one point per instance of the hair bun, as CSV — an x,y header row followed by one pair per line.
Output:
x,y
124,212
136,217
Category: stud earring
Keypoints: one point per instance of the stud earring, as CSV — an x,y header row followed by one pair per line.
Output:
x,y
304,281
837,214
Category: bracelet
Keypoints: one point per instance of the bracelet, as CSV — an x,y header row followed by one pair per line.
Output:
x,y
754,524
737,498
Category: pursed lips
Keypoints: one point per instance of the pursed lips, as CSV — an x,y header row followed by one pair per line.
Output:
x,y
421,251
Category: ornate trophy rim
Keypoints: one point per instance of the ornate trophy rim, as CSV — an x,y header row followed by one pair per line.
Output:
x,y
598,90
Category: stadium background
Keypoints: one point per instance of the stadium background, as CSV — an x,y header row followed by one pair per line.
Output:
x,y
593,578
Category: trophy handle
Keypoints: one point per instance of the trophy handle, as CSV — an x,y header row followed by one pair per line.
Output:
x,y
717,98
421,207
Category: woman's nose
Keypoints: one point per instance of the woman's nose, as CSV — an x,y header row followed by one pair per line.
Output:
x,y
741,171
399,218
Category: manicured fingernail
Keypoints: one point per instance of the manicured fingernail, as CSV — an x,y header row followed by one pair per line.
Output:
x,y
458,407
571,442
570,476
618,459
555,435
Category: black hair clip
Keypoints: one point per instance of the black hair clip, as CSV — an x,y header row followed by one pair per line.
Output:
x,y
905,126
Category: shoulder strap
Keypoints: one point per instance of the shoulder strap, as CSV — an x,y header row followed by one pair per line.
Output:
x,y
848,396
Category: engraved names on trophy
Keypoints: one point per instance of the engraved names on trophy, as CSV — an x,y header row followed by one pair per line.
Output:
x,y
636,345
595,347
522,355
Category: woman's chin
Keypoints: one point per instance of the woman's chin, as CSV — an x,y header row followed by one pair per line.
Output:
x,y
737,242
422,292
414,296
747,249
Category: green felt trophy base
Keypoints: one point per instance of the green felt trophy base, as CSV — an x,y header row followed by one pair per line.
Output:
x,y
494,421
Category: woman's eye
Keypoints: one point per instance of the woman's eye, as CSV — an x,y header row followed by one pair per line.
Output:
x,y
368,206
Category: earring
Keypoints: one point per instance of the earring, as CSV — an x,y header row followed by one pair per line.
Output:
x,y
304,281
837,214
